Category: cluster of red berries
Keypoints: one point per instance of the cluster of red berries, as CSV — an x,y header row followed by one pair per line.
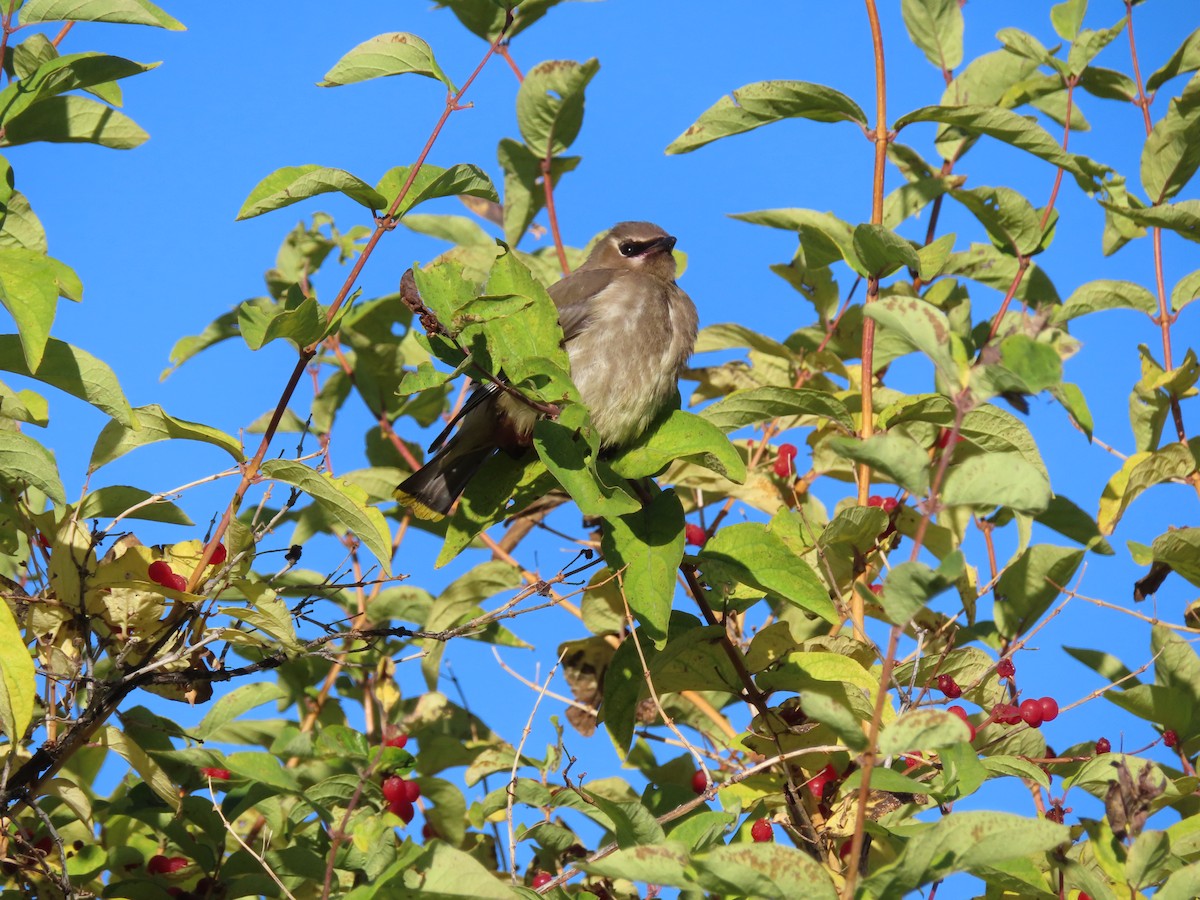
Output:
x,y
1170,738
160,571
761,831
948,686
400,796
887,504
695,535
784,465
1032,712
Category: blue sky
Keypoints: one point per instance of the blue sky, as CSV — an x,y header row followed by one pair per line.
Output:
x,y
151,232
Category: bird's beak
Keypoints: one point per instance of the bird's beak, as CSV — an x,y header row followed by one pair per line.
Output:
x,y
666,244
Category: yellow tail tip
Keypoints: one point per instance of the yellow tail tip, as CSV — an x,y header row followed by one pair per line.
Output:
x,y
416,507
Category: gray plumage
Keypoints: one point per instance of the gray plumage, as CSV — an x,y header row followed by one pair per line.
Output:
x,y
628,330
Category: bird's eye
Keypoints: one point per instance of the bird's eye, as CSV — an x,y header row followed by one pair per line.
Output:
x,y
628,248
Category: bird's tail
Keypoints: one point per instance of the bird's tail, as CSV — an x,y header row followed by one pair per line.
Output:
x,y
431,490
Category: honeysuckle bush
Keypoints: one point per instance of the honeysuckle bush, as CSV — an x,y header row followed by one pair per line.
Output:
x,y
753,653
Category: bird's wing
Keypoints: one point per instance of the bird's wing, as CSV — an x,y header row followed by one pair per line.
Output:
x,y
574,294
479,394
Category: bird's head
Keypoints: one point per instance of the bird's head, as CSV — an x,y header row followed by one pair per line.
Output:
x,y
640,246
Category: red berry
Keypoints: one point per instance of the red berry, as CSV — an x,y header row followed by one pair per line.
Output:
x,y
541,879
1005,668
875,500
1055,814
762,832
394,737
948,686
166,865
962,714
412,791
403,809
944,438
44,845
219,555
1170,738
175,582
429,832
1103,746
699,782
844,850
694,535
393,789
889,505
159,571
1049,709
1031,713
783,461
217,774
876,589
820,782
43,541
1084,896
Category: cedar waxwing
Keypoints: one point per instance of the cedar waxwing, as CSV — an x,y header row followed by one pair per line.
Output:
x,y
628,330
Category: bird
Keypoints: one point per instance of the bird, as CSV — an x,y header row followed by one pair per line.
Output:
x,y
628,330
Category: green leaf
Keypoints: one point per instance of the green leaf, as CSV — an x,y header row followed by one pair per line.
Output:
x,y
1185,59
486,18
1139,472
29,290
910,586
340,500
150,424
1108,84
1182,884
824,236
648,546
19,226
1179,548
754,405
996,479
524,194
936,26
1012,223
141,763
922,729
264,769
727,335
431,182
750,553
922,326
61,74
291,184
967,841
1186,290
126,12
1183,217
1104,294
995,431
1067,18
764,102
25,462
1030,584
896,456
1070,521
1003,125
71,119
1088,43
767,870
570,461
300,320
113,500
266,612
681,435
987,265
550,104
18,685
881,251
1021,43
393,53
71,370
232,705
1171,153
